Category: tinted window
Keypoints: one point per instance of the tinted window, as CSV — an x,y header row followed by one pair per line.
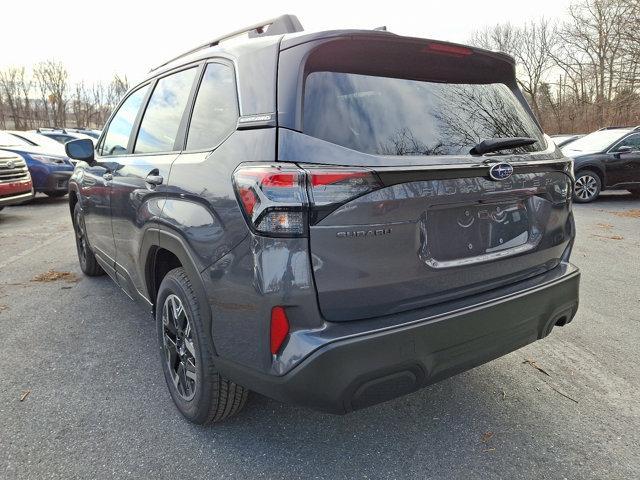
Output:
x,y
215,112
391,116
632,141
162,117
61,138
117,136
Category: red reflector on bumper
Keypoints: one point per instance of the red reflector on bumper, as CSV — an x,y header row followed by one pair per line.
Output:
x,y
279,328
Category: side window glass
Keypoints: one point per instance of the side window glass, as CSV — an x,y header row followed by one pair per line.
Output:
x,y
632,141
117,136
162,117
215,112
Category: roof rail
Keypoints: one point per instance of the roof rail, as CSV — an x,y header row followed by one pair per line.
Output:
x,y
619,126
49,129
275,26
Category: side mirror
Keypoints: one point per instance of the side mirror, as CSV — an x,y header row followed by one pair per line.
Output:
x,y
622,149
81,149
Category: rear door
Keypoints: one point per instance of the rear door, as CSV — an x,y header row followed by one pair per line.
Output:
x,y
139,179
402,215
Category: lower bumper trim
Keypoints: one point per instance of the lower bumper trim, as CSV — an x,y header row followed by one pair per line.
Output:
x,y
357,372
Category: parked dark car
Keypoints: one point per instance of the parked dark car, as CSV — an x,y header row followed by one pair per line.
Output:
x,y
50,173
95,134
15,181
563,140
608,159
311,216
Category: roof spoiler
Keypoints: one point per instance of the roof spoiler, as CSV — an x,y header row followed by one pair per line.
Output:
x,y
275,26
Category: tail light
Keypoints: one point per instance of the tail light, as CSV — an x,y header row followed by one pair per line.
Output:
x,y
276,199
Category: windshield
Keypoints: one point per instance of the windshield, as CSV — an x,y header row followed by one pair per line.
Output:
x,y
596,141
8,140
391,116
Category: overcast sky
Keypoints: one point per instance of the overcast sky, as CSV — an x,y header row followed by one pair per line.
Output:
x,y
96,39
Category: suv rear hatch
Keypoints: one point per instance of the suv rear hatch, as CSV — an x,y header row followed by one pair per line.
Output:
x,y
401,215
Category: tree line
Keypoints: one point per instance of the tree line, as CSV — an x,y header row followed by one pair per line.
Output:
x,y
580,74
45,97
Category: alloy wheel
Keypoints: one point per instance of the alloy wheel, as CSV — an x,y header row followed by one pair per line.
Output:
x,y
178,346
586,187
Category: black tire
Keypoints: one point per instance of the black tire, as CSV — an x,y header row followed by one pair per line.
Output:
x,y
1,208
635,192
587,187
199,391
88,263
56,194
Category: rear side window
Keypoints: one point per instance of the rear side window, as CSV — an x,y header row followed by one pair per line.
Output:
x,y
215,112
394,116
117,136
161,120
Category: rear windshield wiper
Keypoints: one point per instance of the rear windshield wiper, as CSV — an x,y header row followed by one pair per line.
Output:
x,y
497,144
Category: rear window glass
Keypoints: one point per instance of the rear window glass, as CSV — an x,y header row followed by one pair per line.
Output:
x,y
391,116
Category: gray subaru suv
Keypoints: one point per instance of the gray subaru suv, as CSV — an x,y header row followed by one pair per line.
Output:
x,y
330,219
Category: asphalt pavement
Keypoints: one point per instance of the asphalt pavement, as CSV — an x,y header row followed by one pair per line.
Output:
x,y
82,394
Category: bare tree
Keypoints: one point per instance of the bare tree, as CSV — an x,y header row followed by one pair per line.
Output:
x,y
583,74
52,78
530,45
12,86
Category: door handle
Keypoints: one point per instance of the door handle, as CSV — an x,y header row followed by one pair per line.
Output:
x,y
154,179
108,177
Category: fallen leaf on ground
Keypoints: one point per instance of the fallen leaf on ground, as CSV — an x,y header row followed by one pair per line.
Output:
x,y
536,366
633,213
489,450
24,395
606,226
3,307
486,437
53,276
612,237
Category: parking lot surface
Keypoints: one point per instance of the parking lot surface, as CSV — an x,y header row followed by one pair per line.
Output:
x,y
82,394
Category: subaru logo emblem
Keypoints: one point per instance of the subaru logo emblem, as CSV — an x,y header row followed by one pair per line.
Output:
x,y
500,171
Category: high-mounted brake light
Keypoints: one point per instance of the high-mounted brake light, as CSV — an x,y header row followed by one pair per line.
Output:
x,y
279,328
447,49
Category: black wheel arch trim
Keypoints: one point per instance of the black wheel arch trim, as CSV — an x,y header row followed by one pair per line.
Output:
x,y
158,238
597,168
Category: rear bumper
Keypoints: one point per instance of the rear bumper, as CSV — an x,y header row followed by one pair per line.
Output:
x,y
15,193
369,368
